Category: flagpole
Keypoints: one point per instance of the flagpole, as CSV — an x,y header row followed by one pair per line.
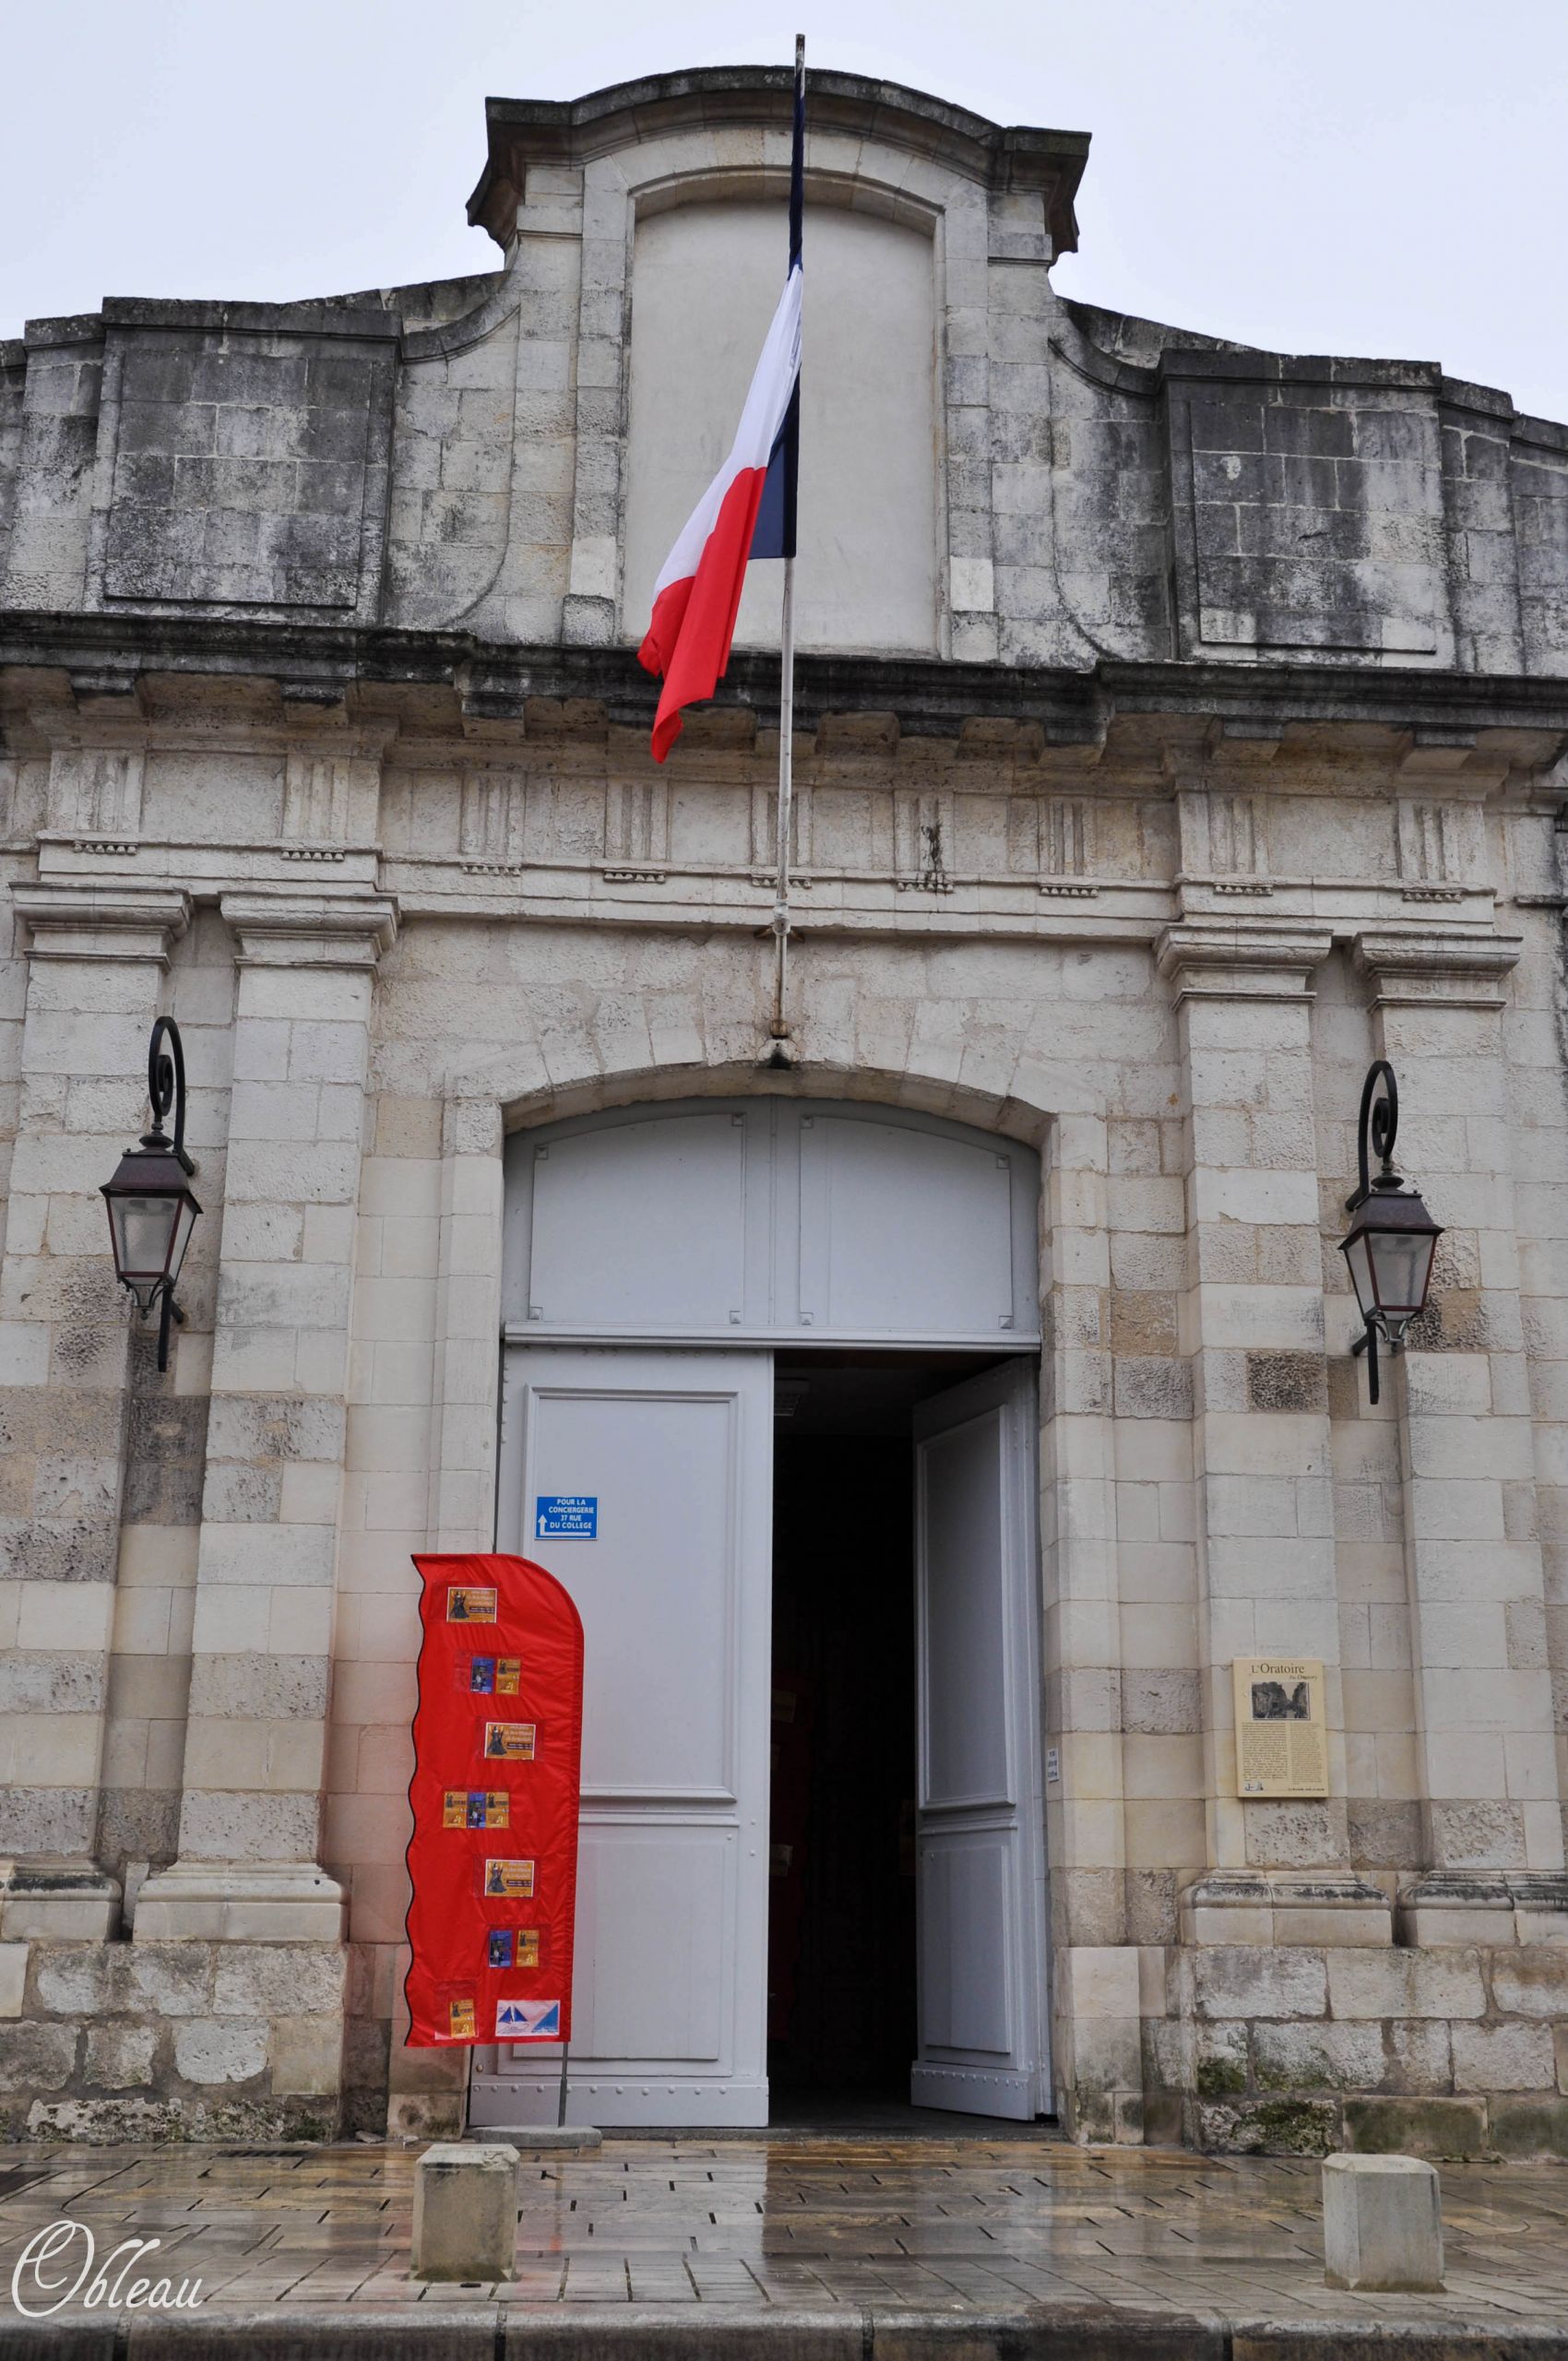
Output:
x,y
786,804
779,1028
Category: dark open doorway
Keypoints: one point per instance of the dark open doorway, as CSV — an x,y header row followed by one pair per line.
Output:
x,y
841,1919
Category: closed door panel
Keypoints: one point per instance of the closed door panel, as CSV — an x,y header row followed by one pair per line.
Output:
x,y
979,1852
663,2000
658,1595
664,1461
966,2004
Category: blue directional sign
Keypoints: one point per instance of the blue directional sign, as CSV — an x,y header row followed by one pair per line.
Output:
x,y
565,1516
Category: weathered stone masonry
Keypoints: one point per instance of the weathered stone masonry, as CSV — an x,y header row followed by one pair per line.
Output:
x,y
1235,759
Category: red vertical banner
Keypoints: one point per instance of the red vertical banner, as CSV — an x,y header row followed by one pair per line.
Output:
x,y
493,1860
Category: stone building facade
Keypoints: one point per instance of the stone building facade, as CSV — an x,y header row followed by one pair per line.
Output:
x,y
1206,740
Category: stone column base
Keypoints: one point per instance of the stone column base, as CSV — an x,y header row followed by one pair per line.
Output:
x,y
1318,1907
50,1900
1470,1906
196,2040
240,1902
1097,2048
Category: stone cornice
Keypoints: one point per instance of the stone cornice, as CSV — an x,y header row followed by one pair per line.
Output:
x,y
1426,966
522,132
1244,961
102,921
450,680
311,930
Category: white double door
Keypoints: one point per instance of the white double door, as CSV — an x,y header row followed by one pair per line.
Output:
x,y
673,1449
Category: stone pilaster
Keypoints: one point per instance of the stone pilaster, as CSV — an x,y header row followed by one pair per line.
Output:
x,y
1096,2036
1252,1322
98,957
550,583
1486,1742
461,1502
250,1820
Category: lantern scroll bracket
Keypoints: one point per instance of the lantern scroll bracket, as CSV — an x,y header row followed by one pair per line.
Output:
x,y
1379,1128
166,1089
1388,1248
152,1209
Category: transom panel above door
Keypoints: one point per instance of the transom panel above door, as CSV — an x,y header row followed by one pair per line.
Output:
x,y
770,1220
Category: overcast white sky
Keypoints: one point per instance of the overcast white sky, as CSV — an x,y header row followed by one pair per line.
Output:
x,y
1382,177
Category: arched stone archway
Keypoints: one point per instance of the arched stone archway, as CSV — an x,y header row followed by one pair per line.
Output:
x,y
1012,1092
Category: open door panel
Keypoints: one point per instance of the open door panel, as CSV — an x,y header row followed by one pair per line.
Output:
x,y
980,1849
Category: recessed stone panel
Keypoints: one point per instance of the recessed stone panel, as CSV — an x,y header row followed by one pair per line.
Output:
x,y
1313,510
243,467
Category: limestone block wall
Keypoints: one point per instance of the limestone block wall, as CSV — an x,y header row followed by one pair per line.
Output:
x,y
466,454
320,729
54,1534
1164,959
1130,1835
1383,1780
119,2041
142,1771
1449,2051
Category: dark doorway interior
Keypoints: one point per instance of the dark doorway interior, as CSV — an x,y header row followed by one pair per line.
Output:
x,y
841,1917
841,1896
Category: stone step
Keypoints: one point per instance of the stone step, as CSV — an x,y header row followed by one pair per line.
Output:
x,y
437,2329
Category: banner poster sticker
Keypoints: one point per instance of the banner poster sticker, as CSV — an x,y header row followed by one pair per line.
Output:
x,y
512,1879
494,1865
528,2021
509,1742
488,1676
514,1947
467,1603
474,1807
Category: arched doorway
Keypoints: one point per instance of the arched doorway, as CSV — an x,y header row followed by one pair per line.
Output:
x,y
813,1665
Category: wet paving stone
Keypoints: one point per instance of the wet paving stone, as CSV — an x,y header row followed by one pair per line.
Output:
x,y
931,2227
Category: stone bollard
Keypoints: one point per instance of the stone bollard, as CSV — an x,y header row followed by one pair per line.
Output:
x,y
1382,2224
464,2211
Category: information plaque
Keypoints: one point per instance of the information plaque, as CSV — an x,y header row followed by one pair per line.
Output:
x,y
1281,1741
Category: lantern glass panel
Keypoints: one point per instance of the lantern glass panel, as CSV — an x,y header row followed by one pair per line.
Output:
x,y
145,1229
1401,1261
1355,1254
188,1210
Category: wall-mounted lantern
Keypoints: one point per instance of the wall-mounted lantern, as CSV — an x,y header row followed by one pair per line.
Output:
x,y
151,1209
1389,1244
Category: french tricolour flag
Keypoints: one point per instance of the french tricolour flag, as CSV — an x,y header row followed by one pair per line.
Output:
x,y
747,511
